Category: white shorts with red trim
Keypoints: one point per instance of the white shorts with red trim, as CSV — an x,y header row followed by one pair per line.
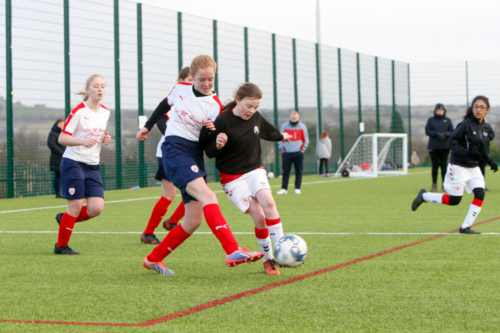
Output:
x,y
459,178
241,191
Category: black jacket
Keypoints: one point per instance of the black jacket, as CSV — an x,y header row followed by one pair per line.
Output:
x,y
491,134
56,149
469,136
435,126
242,153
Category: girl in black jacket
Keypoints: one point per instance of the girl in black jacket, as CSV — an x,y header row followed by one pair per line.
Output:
x,y
468,145
56,152
439,129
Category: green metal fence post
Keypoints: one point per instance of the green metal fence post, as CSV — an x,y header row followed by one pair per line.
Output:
x,y
8,75
360,116
216,82
377,107
341,109
118,132
247,68
179,40
295,80
140,94
67,77
409,117
275,111
318,92
467,82
393,123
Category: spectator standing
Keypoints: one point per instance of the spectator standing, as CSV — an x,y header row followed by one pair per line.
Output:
x,y
293,151
439,129
56,153
323,153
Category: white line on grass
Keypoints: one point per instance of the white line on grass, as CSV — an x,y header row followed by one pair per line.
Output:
x,y
150,198
251,233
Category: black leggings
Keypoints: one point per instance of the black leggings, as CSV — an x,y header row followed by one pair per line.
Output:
x,y
321,162
439,158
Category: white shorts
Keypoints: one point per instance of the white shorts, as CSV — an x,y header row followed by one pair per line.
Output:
x,y
459,178
241,191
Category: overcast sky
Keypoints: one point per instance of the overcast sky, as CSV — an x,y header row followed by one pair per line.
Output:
x,y
404,30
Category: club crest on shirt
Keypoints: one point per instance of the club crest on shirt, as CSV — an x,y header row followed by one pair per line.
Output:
x,y
71,191
256,130
194,168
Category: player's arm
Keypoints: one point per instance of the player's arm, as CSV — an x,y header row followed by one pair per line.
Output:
x,y
306,139
268,132
214,138
68,140
429,130
159,112
454,143
162,124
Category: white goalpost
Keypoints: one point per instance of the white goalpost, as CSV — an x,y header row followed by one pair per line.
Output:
x,y
376,154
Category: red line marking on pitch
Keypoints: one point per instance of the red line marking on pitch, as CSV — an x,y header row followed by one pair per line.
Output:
x,y
240,295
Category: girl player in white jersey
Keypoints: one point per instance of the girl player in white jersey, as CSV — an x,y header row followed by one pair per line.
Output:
x,y
83,133
236,146
469,146
160,117
193,106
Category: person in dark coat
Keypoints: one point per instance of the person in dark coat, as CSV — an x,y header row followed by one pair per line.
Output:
x,y
491,136
439,129
56,152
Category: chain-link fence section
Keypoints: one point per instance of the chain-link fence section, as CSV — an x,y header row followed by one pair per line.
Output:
x,y
52,46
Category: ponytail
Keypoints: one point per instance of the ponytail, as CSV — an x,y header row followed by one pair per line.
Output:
x,y
245,90
83,93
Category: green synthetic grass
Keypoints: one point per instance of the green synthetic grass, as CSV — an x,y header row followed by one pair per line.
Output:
x,y
449,284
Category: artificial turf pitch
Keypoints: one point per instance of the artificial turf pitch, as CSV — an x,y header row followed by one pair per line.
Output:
x,y
445,284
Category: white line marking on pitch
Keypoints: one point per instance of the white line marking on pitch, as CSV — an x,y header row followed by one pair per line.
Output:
x,y
251,233
150,198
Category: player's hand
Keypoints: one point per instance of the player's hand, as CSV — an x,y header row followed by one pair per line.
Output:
x,y
107,139
221,140
441,136
286,137
208,124
142,134
89,142
494,167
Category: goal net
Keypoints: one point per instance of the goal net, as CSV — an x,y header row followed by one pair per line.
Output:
x,y
376,154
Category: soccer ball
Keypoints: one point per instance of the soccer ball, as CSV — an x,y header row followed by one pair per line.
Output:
x,y
291,251
270,175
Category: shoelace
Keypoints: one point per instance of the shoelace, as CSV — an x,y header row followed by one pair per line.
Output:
x,y
273,263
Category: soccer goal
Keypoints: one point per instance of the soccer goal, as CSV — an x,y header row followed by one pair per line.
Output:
x,y
376,154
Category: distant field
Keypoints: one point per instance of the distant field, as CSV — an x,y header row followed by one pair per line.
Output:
x,y
422,284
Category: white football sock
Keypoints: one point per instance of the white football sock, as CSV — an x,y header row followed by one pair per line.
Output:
x,y
266,247
471,216
276,232
433,197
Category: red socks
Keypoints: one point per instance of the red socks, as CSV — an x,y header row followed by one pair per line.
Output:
x,y
219,228
273,222
157,214
179,213
261,233
65,229
445,199
83,215
174,238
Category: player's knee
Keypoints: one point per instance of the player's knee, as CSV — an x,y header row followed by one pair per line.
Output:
x,y
455,200
479,193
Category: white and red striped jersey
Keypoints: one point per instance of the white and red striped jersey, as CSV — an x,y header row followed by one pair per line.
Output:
x,y
83,123
188,111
